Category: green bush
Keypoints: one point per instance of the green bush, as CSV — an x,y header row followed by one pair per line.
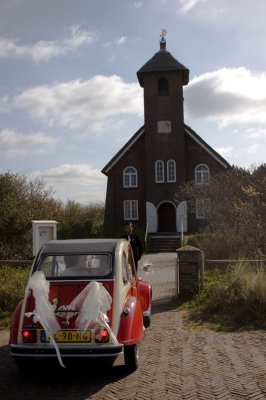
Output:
x,y
13,281
233,299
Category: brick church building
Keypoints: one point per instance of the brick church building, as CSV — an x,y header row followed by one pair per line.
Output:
x,y
144,175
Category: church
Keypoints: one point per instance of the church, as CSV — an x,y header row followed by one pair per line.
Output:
x,y
163,154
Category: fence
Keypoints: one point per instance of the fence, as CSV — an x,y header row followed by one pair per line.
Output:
x,y
23,263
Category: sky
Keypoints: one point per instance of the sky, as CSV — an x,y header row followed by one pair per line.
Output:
x,y
69,94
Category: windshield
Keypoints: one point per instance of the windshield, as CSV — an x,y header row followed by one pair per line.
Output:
x,y
76,265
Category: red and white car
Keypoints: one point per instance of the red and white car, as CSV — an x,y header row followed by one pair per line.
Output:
x,y
83,299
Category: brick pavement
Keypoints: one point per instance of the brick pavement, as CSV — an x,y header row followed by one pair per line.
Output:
x,y
176,362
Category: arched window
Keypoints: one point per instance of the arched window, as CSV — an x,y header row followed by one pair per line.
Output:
x,y
162,86
202,174
171,171
130,177
159,171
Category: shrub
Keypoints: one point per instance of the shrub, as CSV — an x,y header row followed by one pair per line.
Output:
x,y
235,208
234,298
13,281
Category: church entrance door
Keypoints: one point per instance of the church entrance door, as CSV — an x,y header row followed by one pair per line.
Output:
x,y
166,217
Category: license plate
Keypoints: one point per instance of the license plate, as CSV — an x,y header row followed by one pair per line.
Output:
x,y
68,336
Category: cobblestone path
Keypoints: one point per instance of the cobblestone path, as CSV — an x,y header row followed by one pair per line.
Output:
x,y
176,363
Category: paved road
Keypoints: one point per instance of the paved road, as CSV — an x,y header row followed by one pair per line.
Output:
x,y
176,363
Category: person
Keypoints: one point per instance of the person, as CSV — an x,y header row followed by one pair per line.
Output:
x,y
134,241
75,265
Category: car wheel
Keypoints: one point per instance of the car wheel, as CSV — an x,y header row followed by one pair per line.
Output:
x,y
131,354
147,321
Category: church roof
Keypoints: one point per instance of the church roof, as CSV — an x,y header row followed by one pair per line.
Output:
x,y
141,131
163,61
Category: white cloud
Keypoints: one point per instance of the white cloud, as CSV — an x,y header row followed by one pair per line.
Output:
x,y
15,144
256,132
227,14
46,50
228,96
4,104
138,4
79,182
187,5
252,149
225,151
117,42
74,104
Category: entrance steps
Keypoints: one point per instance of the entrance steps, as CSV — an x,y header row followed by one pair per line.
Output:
x,y
165,242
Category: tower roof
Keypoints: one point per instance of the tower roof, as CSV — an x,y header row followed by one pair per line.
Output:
x,y
163,61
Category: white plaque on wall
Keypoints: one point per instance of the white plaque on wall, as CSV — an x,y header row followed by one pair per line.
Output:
x,y
164,126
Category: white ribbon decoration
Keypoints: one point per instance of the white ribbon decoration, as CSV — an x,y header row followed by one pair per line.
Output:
x,y
44,312
93,302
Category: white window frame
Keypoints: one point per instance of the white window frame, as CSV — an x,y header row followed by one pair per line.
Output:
x,y
130,174
131,210
157,164
202,174
169,162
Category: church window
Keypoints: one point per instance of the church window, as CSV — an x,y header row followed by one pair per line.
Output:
x,y
130,177
130,210
159,171
202,208
162,86
202,174
171,171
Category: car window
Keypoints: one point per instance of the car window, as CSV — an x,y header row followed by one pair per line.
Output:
x,y
75,265
131,264
124,269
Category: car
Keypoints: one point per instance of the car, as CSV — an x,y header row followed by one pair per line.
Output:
x,y
84,299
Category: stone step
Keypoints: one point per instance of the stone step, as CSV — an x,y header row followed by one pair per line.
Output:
x,y
163,244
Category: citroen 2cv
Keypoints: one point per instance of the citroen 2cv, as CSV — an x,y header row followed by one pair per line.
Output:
x,y
83,299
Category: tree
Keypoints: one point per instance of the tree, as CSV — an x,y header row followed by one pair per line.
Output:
x,y
21,201
235,212
81,221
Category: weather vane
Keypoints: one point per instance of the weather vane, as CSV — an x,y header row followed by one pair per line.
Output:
x,y
162,35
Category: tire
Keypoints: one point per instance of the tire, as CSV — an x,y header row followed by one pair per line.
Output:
x,y
131,354
147,321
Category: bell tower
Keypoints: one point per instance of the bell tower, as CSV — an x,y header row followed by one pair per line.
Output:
x,y
162,79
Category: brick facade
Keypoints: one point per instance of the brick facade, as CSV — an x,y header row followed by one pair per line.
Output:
x,y
164,141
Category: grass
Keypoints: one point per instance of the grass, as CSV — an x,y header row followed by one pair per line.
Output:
x,y
13,281
231,300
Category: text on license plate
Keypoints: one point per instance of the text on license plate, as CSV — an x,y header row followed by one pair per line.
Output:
x,y
67,336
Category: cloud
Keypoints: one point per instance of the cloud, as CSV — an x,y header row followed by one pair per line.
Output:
x,y
225,151
118,42
252,149
187,5
256,132
223,14
16,144
137,4
4,104
75,104
46,50
79,182
227,96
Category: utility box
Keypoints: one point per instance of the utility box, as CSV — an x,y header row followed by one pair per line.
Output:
x,y
42,232
188,270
